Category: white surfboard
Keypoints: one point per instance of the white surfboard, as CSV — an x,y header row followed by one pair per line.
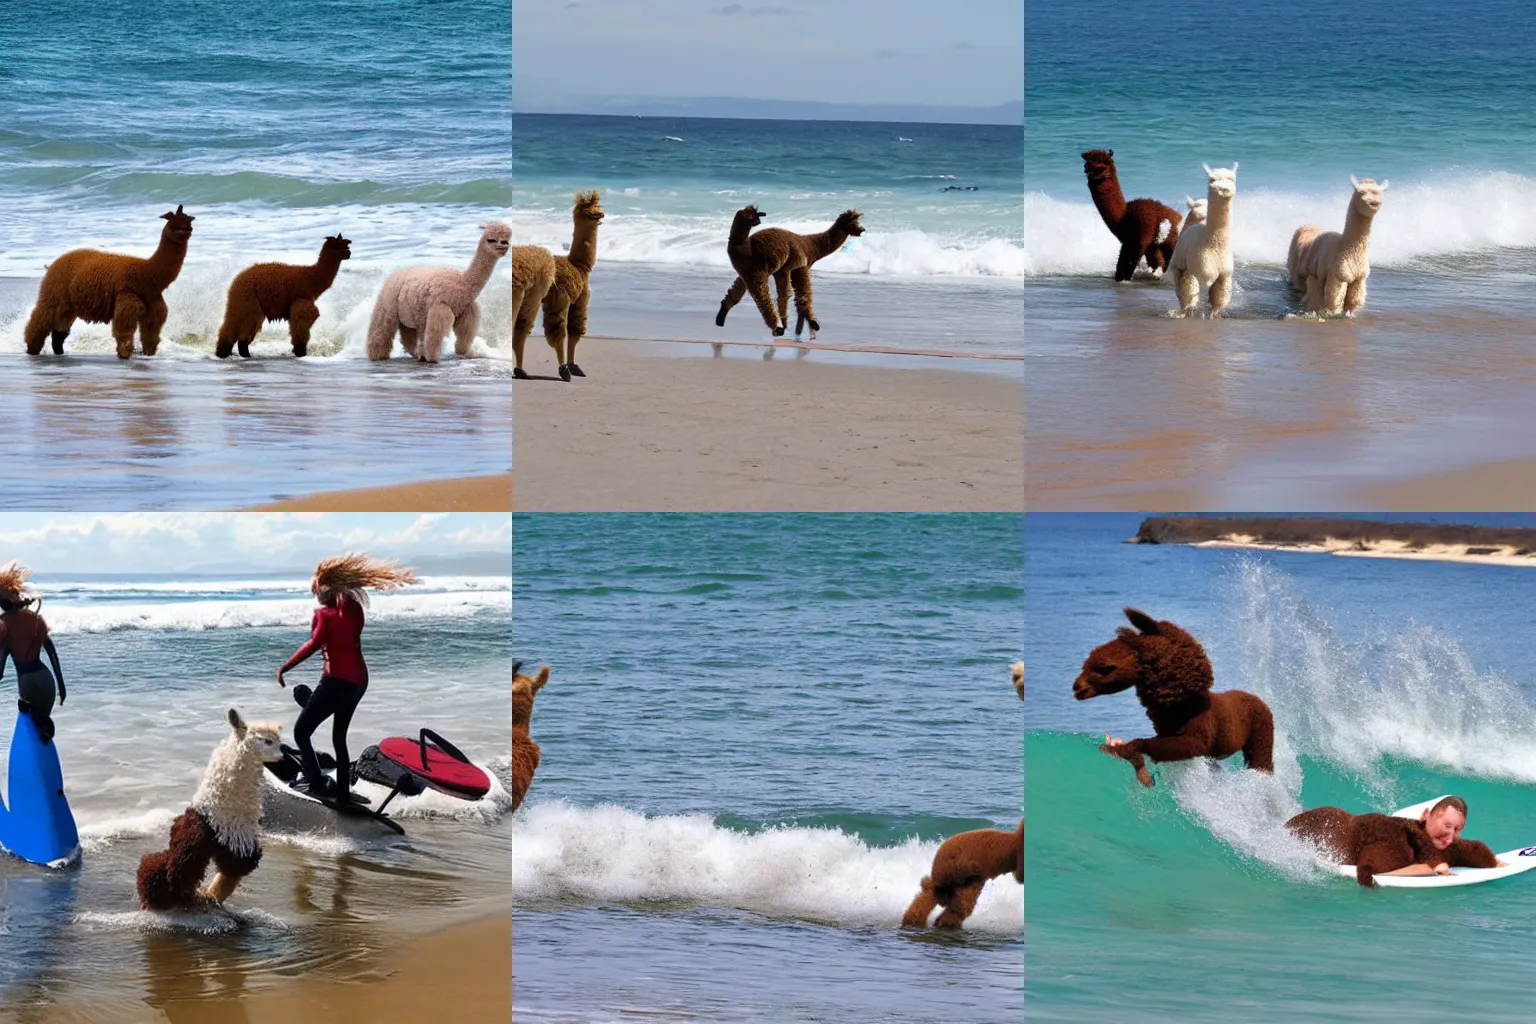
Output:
x,y
1519,861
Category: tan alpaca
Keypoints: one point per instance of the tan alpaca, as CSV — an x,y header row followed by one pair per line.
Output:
x,y
964,864
787,258
1017,670
565,304
1331,267
533,271
525,752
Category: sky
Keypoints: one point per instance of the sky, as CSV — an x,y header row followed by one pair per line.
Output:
x,y
168,542
952,53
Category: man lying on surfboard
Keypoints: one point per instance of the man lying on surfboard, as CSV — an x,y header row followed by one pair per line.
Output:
x,y
1381,844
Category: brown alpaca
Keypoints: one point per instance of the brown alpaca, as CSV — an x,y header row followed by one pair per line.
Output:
x,y
279,291
108,288
1146,228
787,258
1173,681
525,752
565,304
533,271
964,864
1379,843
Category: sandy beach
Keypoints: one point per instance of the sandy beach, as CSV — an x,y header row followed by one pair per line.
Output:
x,y
464,494
661,427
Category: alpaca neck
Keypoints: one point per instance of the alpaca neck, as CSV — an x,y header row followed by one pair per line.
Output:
x,y
1218,217
583,254
323,273
479,270
828,241
741,228
1357,230
1109,200
165,264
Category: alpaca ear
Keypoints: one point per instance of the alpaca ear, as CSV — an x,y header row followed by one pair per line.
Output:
x,y
542,678
1234,168
516,665
1383,185
237,723
1354,181
1111,152
1142,621
1207,168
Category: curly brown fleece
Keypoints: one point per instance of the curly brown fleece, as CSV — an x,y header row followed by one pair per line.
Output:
x,y
533,271
105,287
1146,228
1173,679
170,878
787,258
525,752
963,864
279,291
1378,843
565,304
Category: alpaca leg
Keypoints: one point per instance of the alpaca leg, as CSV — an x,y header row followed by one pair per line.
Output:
x,y
301,317
1314,294
1259,751
125,320
801,279
922,905
1130,255
410,339
464,329
439,323
781,287
1354,296
554,333
1221,294
1155,260
1333,296
382,326
1189,293
733,295
39,324
221,888
575,327
759,288
961,905
1378,858
154,318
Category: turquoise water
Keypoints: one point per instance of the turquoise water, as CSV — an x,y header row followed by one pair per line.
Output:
x,y
152,662
1390,681
756,730
670,187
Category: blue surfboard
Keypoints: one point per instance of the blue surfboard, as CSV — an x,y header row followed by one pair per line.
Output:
x,y
37,825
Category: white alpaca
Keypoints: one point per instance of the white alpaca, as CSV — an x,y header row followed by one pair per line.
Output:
x,y
1202,257
1330,267
433,300
1197,208
218,827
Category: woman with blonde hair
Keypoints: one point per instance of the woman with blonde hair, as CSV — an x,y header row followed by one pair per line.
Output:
x,y
24,637
341,585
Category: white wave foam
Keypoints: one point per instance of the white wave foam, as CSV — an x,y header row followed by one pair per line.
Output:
x,y
1418,221
611,854
220,920
76,589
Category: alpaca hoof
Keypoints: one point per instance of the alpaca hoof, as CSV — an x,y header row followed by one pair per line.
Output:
x,y
814,327
58,342
720,317
575,370
520,373
1144,777
778,332
565,372
245,349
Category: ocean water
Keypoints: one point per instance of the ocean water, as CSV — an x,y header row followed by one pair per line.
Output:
x,y
670,187
1390,681
1395,94
756,731
152,663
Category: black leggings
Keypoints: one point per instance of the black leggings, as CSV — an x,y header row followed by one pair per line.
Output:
x,y
335,699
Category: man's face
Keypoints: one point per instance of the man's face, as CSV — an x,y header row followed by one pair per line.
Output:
x,y
1444,826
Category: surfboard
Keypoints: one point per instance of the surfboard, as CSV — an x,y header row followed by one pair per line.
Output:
x,y
431,759
38,825
1519,861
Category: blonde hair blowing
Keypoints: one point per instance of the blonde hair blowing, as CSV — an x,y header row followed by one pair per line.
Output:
x,y
354,574
13,582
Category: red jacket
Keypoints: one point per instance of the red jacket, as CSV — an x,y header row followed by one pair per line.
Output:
x,y
339,631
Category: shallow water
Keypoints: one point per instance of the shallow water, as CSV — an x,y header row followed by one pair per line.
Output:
x,y
756,730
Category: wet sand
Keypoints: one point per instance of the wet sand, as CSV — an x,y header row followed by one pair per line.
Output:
x,y
661,427
465,494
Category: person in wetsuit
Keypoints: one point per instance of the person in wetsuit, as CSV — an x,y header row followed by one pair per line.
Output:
x,y
341,586
1380,844
24,637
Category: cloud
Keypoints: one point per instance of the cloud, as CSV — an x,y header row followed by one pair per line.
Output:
x,y
962,45
894,55
730,10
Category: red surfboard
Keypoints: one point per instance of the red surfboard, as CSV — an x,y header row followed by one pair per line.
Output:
x,y
438,763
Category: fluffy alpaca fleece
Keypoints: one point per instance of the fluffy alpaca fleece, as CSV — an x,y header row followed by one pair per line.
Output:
x,y
787,258
1173,678
964,864
1330,267
1197,211
103,287
1146,228
421,304
1017,671
279,291
1202,259
525,752
220,826
533,271
1378,843
565,304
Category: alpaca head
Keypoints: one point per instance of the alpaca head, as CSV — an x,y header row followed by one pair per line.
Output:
x,y
1162,661
1197,210
1222,180
1017,670
337,248
523,689
1099,165
587,207
262,739
848,220
178,225
1367,198
750,215
496,237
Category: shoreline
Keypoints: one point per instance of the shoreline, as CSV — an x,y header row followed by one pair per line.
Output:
x,y
1350,538
457,494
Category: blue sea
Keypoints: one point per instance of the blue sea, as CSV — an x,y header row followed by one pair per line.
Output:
x,y
1391,682
151,663
1301,96
941,207
756,731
